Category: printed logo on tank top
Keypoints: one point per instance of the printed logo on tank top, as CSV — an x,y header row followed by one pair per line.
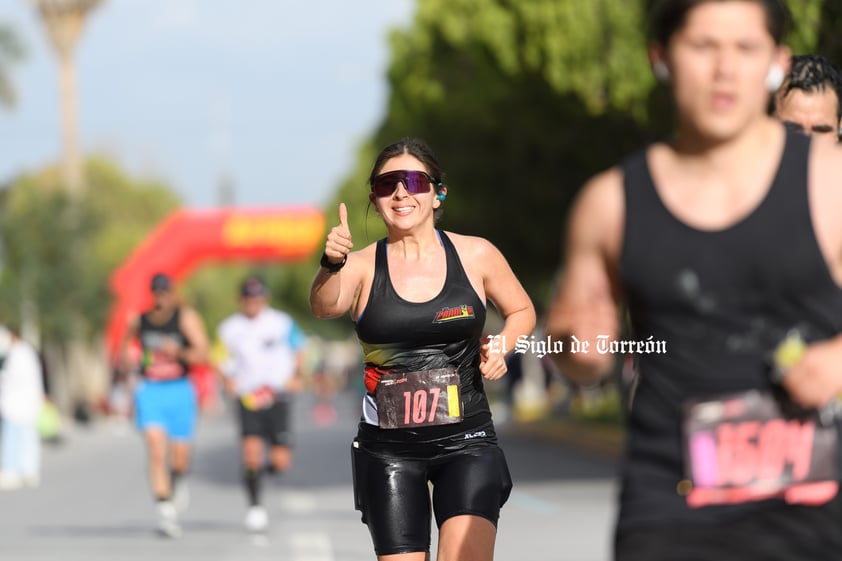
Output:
x,y
456,313
155,363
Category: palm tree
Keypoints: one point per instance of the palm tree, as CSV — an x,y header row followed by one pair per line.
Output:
x,y
64,20
11,51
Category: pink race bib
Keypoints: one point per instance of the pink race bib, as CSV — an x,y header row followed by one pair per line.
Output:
x,y
743,448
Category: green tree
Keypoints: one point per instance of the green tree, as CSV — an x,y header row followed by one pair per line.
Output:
x,y
58,254
38,231
829,40
130,208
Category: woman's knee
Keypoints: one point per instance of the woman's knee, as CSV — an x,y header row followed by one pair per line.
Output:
x,y
467,538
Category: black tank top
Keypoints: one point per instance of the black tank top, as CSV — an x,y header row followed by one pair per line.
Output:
x,y
153,365
396,334
722,300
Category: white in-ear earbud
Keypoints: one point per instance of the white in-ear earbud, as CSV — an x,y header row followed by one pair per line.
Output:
x,y
661,71
775,77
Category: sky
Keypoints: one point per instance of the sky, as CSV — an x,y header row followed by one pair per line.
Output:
x,y
276,95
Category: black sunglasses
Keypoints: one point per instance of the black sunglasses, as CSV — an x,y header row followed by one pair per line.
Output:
x,y
415,182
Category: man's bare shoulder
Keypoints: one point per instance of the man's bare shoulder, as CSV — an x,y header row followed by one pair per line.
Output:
x,y
826,173
825,197
189,313
187,309
598,212
603,190
828,156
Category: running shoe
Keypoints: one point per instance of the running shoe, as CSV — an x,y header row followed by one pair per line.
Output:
x,y
257,519
168,520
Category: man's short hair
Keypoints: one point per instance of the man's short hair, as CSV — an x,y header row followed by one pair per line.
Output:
x,y
666,17
812,73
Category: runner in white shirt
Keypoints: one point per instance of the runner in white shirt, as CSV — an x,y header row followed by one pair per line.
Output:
x,y
21,399
261,368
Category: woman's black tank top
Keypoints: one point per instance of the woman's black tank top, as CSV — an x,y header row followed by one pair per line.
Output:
x,y
396,334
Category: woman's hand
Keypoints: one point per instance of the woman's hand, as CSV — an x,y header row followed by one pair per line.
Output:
x,y
339,243
492,362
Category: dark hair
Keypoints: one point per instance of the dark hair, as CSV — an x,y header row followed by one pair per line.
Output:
x,y
419,150
668,16
812,73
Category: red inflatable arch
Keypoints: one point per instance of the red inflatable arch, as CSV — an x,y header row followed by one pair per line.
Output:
x,y
188,237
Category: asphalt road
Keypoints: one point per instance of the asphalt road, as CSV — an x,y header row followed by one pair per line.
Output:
x,y
94,504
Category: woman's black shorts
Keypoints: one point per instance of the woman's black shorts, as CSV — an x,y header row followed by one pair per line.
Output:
x,y
467,471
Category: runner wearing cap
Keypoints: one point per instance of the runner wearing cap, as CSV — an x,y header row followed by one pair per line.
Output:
x,y
172,337
261,368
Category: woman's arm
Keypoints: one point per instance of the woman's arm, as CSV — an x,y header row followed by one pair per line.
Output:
x,y
334,292
504,290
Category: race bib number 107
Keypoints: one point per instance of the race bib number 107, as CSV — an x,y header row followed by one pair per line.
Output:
x,y
418,399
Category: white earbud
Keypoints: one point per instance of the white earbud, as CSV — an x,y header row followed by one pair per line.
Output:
x,y
661,71
775,77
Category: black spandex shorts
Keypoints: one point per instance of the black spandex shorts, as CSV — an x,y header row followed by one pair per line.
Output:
x,y
272,423
468,473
